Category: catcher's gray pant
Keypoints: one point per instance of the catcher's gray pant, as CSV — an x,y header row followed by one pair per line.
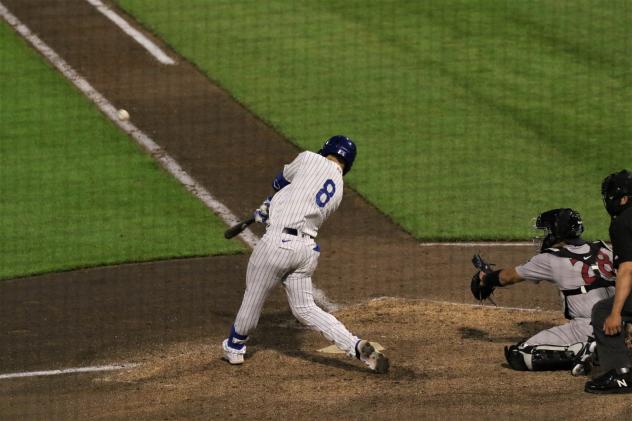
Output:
x,y
291,260
576,330
611,349
550,348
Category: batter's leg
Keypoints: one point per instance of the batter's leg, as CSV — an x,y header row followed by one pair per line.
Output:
x,y
267,266
301,300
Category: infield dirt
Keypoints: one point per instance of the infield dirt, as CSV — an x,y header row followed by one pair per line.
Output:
x,y
171,316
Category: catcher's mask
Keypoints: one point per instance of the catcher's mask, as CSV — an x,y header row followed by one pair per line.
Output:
x,y
555,225
342,147
613,188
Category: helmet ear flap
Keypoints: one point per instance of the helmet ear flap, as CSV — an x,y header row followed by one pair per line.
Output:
x,y
548,242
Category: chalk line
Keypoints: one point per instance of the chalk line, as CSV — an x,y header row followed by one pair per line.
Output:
x,y
94,369
143,139
152,48
138,135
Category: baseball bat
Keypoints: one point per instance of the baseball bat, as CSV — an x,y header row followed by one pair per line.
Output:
x,y
238,228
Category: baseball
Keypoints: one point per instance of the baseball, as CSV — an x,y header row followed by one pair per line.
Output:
x,y
122,114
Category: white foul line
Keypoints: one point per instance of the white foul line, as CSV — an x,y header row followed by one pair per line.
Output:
x,y
156,151
94,369
528,310
141,138
488,306
153,49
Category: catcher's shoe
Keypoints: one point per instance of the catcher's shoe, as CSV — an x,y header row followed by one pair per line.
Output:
x,y
374,359
232,355
611,382
584,360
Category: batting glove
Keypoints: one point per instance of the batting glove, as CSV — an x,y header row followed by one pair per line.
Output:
x,y
262,214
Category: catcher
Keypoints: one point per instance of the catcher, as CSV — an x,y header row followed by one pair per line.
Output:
x,y
583,272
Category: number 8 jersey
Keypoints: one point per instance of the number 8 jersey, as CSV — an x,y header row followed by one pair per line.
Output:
x,y
314,192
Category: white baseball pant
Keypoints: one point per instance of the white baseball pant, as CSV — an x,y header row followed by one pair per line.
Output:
x,y
291,260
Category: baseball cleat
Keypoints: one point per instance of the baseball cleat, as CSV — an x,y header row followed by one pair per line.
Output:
x,y
232,355
609,383
374,359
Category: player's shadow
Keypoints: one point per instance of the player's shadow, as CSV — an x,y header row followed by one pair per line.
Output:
x,y
281,332
484,336
527,329
530,328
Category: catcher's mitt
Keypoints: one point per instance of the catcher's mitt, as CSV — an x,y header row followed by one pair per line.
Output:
x,y
480,288
480,292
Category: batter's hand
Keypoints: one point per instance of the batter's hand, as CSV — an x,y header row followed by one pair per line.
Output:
x,y
612,325
261,215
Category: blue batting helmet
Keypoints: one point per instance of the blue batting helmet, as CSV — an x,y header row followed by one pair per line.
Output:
x,y
340,146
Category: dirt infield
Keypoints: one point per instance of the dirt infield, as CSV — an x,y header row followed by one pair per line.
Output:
x,y
170,316
447,365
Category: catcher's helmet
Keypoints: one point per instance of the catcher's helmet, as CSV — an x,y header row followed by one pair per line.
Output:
x,y
561,224
342,147
613,188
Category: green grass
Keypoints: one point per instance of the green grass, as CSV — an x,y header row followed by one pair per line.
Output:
x,y
77,192
471,117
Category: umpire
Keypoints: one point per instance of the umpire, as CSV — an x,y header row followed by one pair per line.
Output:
x,y
609,315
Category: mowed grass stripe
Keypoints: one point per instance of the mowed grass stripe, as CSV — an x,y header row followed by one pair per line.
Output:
x,y
75,191
471,116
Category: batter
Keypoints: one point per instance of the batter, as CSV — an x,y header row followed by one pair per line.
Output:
x,y
308,191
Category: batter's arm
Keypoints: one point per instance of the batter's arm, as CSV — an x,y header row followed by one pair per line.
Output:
x,y
259,215
279,182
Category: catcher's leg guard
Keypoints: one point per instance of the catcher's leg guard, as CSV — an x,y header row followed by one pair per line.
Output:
x,y
524,357
515,358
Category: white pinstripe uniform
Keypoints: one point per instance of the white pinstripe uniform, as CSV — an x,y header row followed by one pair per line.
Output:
x,y
300,208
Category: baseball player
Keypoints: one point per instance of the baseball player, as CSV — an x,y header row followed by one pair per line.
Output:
x,y
609,315
308,191
583,272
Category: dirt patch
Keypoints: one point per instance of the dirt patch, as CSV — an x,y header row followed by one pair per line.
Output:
x,y
437,372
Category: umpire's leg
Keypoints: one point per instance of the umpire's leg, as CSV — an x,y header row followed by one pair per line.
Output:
x,y
611,349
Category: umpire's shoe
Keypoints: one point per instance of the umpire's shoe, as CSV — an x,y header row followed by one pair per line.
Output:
x,y
611,382
374,359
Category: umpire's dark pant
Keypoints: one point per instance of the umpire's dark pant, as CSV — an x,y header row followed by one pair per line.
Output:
x,y
611,350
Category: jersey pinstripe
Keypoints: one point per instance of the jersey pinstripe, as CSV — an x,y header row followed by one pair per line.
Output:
x,y
314,193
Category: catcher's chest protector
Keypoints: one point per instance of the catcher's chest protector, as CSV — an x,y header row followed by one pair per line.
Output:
x,y
595,270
